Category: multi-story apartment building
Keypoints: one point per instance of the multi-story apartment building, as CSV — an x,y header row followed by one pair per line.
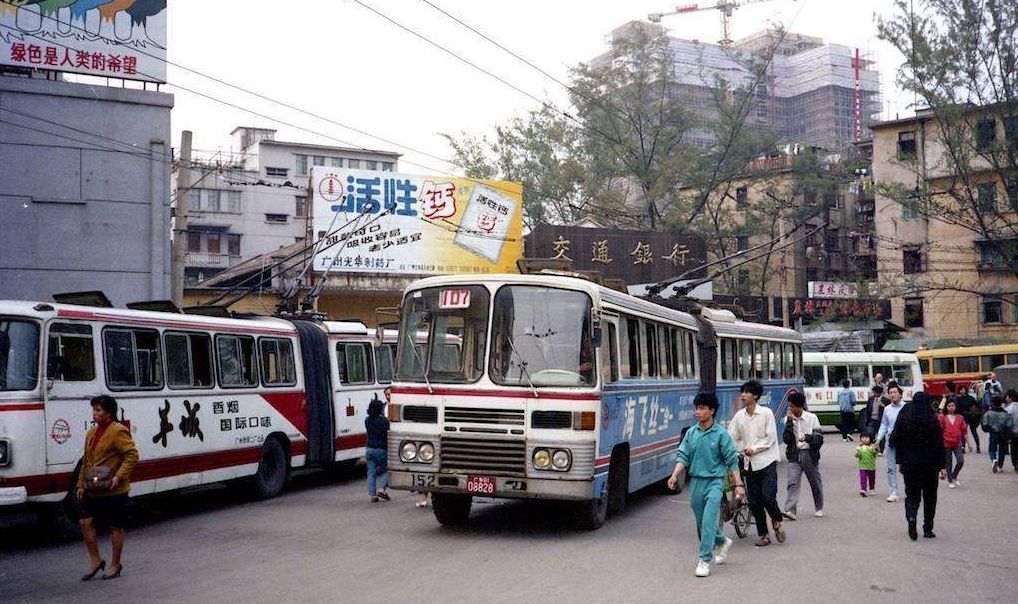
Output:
x,y
939,250
253,201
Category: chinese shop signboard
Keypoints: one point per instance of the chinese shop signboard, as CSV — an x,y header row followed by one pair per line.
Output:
x,y
113,39
387,222
633,256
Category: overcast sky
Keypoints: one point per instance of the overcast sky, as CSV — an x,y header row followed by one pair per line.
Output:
x,y
340,60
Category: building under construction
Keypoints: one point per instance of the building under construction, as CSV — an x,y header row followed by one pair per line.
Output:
x,y
811,93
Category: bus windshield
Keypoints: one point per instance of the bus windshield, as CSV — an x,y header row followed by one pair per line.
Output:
x,y
443,335
19,355
541,337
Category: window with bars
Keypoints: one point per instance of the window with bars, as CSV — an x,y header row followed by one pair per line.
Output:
x,y
986,134
913,312
987,197
992,310
906,145
912,260
302,164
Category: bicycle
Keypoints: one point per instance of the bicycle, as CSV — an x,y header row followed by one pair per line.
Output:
x,y
734,510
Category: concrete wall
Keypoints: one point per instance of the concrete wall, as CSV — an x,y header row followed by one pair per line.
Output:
x,y
89,213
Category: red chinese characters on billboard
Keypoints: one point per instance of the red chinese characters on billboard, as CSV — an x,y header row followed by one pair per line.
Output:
x,y
809,309
44,55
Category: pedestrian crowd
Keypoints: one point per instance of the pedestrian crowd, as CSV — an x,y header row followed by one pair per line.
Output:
x,y
924,440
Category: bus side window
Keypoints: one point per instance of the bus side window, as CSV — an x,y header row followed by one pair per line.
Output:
x,y
664,358
924,366
70,357
745,359
383,363
132,358
774,360
650,333
813,376
610,356
790,361
675,353
728,357
354,362
903,375
760,360
691,366
278,368
188,360
633,345
235,357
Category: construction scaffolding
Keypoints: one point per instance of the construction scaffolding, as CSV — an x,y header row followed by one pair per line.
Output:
x,y
813,93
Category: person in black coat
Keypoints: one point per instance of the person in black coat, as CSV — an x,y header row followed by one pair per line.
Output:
x,y
919,442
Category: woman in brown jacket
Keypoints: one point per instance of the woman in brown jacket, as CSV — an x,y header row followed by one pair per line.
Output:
x,y
107,444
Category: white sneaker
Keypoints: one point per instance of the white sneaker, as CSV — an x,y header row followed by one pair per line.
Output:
x,y
721,552
789,514
957,483
892,498
872,491
951,485
702,568
819,513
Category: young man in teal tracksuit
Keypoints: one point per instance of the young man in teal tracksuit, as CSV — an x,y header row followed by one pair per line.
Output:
x,y
709,453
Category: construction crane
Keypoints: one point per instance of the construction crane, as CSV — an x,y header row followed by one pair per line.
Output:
x,y
725,7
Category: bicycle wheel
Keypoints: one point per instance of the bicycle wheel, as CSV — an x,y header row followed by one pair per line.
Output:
x,y
742,520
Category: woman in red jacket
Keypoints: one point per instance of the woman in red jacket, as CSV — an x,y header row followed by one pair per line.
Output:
x,y
955,441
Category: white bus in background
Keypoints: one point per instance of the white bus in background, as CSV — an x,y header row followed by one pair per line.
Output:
x,y
823,373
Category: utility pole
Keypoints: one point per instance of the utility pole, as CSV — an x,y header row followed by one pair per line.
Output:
x,y
180,221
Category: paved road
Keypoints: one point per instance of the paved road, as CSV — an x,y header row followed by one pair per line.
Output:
x,y
323,541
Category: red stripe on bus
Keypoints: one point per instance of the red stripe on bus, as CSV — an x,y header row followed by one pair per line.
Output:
x,y
292,406
91,316
42,484
639,451
21,407
352,442
498,393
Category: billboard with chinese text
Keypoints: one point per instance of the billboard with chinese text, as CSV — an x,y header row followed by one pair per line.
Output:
x,y
633,256
413,224
112,38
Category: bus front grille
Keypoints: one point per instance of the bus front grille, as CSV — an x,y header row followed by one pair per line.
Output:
x,y
474,415
479,455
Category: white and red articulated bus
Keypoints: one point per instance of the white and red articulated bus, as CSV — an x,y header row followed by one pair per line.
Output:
x,y
207,399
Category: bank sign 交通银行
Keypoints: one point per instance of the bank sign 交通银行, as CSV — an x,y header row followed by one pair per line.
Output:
x,y
387,222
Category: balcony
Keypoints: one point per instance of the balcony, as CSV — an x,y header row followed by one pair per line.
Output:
x,y
209,260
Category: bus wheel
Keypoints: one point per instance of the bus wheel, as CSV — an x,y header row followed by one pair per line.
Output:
x,y
272,469
451,510
618,482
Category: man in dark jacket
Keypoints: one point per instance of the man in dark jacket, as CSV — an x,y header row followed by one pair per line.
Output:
x,y
918,441
802,437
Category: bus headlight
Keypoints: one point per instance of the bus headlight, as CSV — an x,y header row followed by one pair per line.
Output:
x,y
5,452
426,452
408,451
542,459
561,460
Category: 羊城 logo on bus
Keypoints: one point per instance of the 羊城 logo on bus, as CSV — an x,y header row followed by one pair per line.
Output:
x,y
454,298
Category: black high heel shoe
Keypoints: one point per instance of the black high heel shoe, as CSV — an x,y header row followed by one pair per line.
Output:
x,y
120,567
95,571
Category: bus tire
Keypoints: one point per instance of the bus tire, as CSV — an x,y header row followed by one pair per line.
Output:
x,y
273,469
451,509
618,482
60,520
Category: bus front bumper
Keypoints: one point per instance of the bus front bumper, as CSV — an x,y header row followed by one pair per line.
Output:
x,y
509,487
13,496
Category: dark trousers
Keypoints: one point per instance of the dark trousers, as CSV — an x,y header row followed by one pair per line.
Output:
x,y
954,461
1014,452
974,431
762,493
921,487
847,423
998,448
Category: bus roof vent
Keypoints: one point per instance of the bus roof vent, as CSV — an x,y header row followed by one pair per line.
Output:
x,y
93,298
718,315
154,305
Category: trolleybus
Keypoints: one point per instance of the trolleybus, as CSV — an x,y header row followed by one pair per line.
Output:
x,y
823,373
207,399
559,388
963,365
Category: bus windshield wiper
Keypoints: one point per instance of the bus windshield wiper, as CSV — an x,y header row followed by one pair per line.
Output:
x,y
523,364
420,360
